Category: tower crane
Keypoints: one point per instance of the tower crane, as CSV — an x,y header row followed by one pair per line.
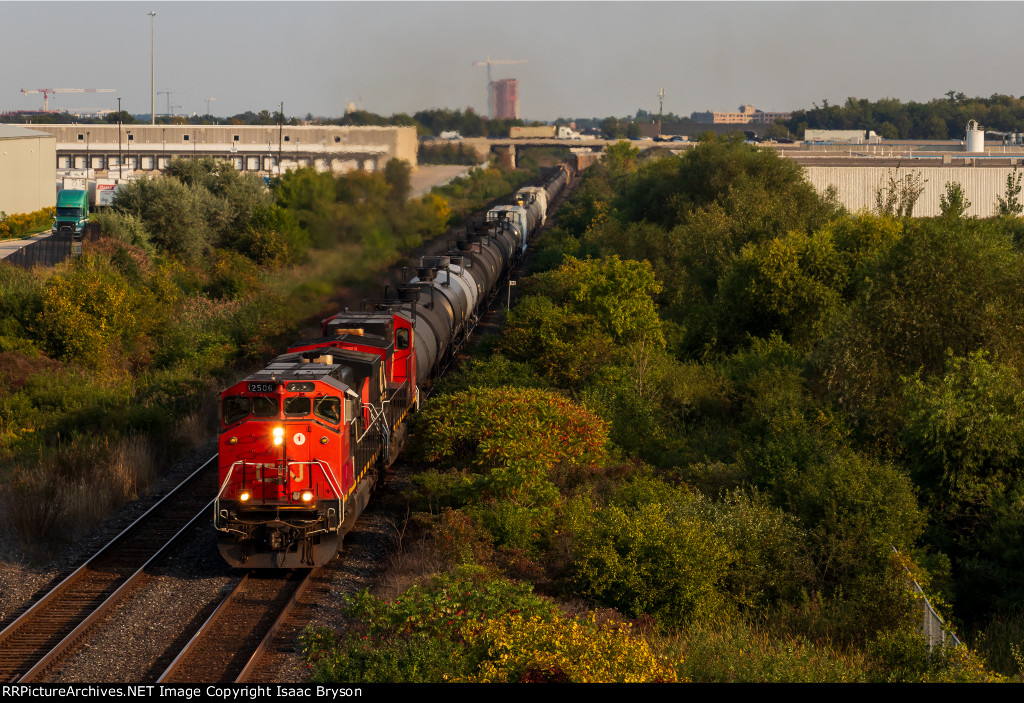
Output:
x,y
169,94
490,83
47,92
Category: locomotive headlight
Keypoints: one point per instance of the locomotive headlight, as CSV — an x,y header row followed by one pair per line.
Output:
x,y
323,440
244,496
278,436
307,496
233,440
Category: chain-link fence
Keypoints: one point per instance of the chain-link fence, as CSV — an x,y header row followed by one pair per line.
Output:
x,y
936,632
53,249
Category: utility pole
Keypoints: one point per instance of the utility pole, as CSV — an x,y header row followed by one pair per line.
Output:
x,y
152,66
119,173
661,105
280,138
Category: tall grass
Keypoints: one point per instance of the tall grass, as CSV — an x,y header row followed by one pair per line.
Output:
x,y
735,652
73,488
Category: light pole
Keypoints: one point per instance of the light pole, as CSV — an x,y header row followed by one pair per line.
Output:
x,y
152,66
119,173
129,148
280,132
87,160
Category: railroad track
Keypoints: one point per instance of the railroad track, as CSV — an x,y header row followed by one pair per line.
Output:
x,y
230,643
52,626
225,649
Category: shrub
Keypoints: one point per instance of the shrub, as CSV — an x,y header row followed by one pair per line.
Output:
x,y
650,558
566,346
514,437
418,636
736,652
125,227
18,224
475,631
91,316
563,650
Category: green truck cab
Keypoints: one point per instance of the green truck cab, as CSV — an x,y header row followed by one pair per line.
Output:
x,y
72,212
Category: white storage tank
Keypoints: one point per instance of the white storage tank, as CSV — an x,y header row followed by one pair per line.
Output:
x,y
975,142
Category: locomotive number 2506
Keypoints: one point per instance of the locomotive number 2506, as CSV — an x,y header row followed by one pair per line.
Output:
x,y
261,387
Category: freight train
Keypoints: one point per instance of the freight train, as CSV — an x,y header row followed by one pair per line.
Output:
x,y
304,441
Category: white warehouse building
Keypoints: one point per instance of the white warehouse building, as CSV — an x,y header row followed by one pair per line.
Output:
x,y
28,170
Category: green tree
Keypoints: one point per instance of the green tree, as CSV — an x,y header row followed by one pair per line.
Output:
x,y
182,221
897,196
566,346
1010,205
618,294
124,117
654,556
954,203
792,285
397,174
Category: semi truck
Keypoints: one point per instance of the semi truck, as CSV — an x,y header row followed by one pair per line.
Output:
x,y
539,132
72,212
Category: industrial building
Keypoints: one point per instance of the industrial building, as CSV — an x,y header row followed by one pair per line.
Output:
x,y
118,150
856,172
28,170
856,181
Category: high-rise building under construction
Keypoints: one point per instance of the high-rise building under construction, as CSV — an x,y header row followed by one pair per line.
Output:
x,y
505,94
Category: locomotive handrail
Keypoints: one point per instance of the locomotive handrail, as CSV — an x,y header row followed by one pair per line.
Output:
x,y
319,462
216,500
334,486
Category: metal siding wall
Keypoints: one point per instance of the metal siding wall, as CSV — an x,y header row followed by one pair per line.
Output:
x,y
857,185
28,174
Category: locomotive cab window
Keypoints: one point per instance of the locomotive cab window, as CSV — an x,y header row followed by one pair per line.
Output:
x,y
402,338
264,406
297,406
235,408
328,408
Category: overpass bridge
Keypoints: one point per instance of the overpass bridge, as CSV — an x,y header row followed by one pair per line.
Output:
x,y
507,149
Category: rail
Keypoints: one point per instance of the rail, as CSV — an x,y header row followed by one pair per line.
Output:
x,y
36,638
240,622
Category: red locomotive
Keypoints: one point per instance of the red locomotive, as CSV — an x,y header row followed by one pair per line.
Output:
x,y
304,441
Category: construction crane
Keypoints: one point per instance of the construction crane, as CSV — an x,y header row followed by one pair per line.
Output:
x,y
47,92
169,94
490,83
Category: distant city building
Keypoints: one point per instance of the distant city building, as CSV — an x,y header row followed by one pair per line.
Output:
x,y
747,114
506,99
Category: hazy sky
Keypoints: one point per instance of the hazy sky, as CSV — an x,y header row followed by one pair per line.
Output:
x,y
584,59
